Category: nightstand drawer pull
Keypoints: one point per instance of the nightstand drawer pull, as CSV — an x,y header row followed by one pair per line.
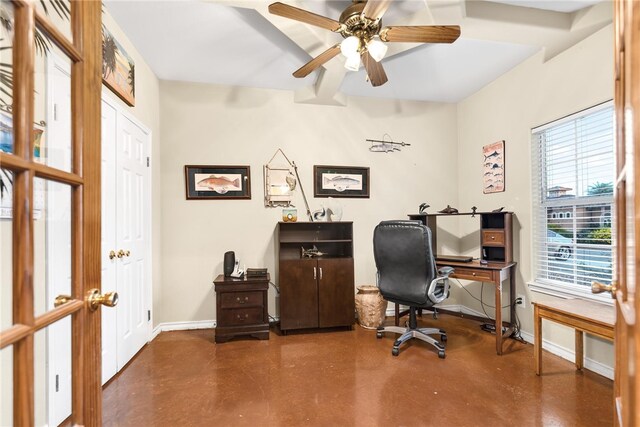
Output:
x,y
241,299
245,317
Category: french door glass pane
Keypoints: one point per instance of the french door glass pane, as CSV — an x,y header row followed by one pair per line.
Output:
x,y
52,108
52,373
6,249
6,76
52,241
6,386
58,13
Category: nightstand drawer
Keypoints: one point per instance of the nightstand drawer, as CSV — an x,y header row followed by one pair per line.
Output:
x,y
241,299
241,316
472,274
493,238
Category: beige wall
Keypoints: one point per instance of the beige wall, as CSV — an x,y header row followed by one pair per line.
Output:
x,y
531,94
213,125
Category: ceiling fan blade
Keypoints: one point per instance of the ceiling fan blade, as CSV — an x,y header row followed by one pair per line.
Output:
x,y
302,15
316,62
421,34
376,73
374,9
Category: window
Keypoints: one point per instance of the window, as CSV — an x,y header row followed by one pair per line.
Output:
x,y
573,173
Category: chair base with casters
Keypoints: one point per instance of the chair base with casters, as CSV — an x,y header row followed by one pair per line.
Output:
x,y
412,331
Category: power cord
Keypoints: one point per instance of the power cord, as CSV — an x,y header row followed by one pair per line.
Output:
x,y
517,335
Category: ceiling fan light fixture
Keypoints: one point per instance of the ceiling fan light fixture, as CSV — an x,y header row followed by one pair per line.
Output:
x,y
350,46
352,63
377,49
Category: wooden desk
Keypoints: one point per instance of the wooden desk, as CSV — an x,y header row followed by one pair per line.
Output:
x,y
582,315
494,273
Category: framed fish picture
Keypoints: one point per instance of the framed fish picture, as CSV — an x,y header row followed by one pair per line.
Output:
x,y
341,181
493,168
217,182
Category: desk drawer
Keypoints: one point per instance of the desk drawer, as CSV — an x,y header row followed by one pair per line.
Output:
x,y
472,274
240,299
492,238
241,316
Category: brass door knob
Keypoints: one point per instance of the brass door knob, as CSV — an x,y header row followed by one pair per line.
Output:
x,y
597,288
112,254
61,299
110,299
123,253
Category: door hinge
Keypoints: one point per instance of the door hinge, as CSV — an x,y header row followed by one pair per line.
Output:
x,y
147,161
149,315
55,111
57,383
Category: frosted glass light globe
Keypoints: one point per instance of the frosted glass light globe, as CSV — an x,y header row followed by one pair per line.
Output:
x,y
352,63
349,46
377,49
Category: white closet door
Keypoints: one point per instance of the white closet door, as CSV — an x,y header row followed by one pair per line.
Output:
x,y
109,283
132,191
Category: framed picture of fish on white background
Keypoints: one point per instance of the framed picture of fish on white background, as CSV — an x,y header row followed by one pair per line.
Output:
x,y
217,182
493,168
340,181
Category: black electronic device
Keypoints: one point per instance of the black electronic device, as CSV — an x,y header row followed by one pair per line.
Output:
x,y
454,258
229,263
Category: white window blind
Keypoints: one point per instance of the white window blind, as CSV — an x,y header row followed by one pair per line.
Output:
x,y
573,178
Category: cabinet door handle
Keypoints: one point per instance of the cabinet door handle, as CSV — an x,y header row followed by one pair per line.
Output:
x,y
320,273
314,273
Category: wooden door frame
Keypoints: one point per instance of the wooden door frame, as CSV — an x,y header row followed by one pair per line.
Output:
x,y
85,52
626,391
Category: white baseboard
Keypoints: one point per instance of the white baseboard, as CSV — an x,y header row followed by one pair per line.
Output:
x,y
182,326
570,355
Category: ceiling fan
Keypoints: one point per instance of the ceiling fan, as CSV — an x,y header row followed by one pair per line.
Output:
x,y
364,36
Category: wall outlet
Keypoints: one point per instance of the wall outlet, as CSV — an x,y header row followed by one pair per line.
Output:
x,y
521,301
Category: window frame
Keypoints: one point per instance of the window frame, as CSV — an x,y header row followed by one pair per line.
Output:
x,y
550,286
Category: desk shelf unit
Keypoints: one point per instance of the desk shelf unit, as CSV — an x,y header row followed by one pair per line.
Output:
x,y
316,292
496,235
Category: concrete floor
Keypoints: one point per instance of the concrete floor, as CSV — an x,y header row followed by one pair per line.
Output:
x,y
350,378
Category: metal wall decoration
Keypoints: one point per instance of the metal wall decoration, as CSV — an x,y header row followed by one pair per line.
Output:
x,y
280,180
217,182
493,168
385,146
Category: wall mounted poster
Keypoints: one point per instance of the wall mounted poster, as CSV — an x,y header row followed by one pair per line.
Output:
x,y
493,168
118,69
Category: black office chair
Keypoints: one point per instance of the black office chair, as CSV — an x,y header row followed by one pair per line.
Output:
x,y
407,276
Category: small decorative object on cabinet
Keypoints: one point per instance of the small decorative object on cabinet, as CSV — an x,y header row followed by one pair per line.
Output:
x,y
370,306
316,292
241,307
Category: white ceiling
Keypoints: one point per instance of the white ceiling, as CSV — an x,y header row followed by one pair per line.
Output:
x,y
238,42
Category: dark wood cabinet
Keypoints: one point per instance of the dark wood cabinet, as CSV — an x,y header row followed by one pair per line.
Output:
x,y
241,307
316,292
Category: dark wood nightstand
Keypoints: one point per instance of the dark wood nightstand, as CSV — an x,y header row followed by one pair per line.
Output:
x,y
241,307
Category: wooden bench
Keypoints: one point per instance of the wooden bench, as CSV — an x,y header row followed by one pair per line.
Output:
x,y
582,315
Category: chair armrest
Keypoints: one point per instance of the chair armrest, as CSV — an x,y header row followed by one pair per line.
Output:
x,y
439,287
445,271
